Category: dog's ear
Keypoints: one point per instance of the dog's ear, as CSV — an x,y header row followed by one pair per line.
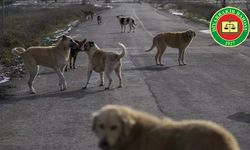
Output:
x,y
91,44
94,120
84,41
64,37
128,122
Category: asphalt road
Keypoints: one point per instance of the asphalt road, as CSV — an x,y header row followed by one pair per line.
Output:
x,y
215,85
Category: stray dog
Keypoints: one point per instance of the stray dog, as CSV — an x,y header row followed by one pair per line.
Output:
x,y
180,40
123,128
88,14
99,19
55,57
124,21
104,62
73,54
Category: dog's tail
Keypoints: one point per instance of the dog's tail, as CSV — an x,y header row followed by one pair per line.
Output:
x,y
123,50
152,47
18,51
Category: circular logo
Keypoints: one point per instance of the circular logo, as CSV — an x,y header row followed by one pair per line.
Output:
x,y
229,27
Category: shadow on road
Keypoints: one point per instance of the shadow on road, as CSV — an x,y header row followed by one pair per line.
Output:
x,y
151,68
77,94
240,117
116,32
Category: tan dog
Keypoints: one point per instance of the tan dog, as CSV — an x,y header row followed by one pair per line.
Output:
x,y
103,62
55,57
180,40
122,128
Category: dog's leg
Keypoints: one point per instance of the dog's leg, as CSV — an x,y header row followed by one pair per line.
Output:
x,y
119,74
130,28
88,78
33,73
108,74
183,57
133,28
70,62
156,57
102,79
125,28
160,55
74,61
121,28
179,59
62,81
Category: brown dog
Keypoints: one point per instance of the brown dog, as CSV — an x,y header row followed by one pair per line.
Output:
x,y
104,62
180,40
55,57
122,128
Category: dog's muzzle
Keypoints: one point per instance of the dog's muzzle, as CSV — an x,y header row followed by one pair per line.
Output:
x,y
103,144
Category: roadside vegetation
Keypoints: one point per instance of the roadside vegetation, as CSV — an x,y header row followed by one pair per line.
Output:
x,y
28,26
198,11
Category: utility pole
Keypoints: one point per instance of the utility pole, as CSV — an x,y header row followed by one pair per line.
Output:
x,y
2,17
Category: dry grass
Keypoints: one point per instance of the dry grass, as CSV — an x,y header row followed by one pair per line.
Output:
x,y
26,27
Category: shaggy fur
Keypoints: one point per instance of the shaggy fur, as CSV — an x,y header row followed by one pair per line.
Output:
x,y
55,57
180,40
123,128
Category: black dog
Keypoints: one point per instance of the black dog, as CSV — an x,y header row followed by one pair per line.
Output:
x,y
73,54
99,19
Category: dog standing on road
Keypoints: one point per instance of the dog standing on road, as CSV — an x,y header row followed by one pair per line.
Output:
x,y
99,19
124,21
55,57
123,128
180,40
73,54
88,14
104,62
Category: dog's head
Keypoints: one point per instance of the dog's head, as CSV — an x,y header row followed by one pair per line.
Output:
x,y
80,44
190,33
89,45
119,16
112,125
68,41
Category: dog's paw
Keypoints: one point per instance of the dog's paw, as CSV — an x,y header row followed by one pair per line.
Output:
x,y
101,84
32,92
85,87
107,88
120,86
161,64
62,89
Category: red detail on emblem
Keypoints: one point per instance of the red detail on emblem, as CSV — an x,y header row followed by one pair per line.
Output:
x,y
229,27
